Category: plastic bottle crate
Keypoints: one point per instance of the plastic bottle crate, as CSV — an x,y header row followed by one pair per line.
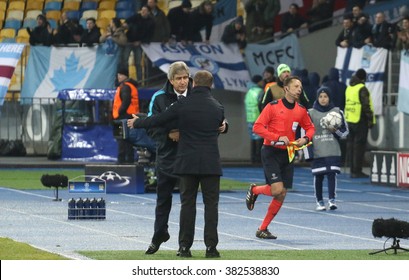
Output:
x,y
87,208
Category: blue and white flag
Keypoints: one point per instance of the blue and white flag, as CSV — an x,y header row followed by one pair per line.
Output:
x,y
403,93
287,51
224,12
9,56
52,69
373,60
225,62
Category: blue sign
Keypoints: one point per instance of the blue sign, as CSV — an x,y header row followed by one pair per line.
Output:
x,y
86,187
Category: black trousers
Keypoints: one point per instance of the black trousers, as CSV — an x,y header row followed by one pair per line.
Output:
x,y
356,145
125,151
164,189
210,186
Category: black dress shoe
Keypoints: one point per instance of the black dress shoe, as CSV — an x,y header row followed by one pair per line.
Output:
x,y
359,175
154,246
211,252
184,252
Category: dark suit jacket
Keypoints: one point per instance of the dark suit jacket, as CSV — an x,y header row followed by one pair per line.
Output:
x,y
199,117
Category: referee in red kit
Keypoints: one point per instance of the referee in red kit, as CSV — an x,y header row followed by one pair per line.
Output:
x,y
277,124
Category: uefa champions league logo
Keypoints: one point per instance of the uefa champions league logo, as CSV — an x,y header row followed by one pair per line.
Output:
x,y
113,178
204,63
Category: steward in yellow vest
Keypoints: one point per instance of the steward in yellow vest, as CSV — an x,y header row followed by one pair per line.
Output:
x,y
359,116
358,103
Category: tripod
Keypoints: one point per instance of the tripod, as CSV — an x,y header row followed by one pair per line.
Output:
x,y
395,246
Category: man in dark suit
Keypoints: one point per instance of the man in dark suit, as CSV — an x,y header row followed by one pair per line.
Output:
x,y
200,120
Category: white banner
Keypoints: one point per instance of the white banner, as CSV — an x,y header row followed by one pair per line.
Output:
x,y
403,93
225,62
373,60
51,69
286,50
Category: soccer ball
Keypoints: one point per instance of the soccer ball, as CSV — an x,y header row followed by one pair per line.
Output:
x,y
332,120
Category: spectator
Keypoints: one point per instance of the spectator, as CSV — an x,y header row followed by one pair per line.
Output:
x,y
235,32
200,120
178,17
68,32
91,34
356,13
382,32
363,32
255,23
319,16
140,30
199,18
292,20
161,32
251,100
326,150
403,35
352,3
42,34
126,103
115,34
270,13
360,117
345,37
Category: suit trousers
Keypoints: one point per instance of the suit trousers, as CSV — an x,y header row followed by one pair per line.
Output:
x,y
165,185
356,145
210,186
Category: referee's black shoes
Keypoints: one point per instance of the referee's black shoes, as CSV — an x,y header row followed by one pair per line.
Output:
x,y
154,246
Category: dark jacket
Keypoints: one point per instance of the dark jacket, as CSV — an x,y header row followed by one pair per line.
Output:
x,y
165,148
345,34
140,28
230,35
90,37
199,117
382,35
198,19
40,36
178,22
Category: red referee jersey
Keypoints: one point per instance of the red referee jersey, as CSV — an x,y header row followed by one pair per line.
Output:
x,y
278,119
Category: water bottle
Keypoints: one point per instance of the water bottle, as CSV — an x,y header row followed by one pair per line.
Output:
x,y
71,209
79,203
87,210
93,208
101,208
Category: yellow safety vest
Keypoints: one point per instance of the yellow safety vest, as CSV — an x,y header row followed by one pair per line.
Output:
x,y
353,105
